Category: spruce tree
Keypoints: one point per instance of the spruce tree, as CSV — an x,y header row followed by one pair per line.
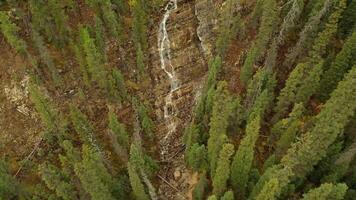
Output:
x,y
8,185
197,157
329,125
218,125
327,191
340,66
222,170
229,195
111,20
93,59
136,184
119,130
44,54
50,117
268,23
200,189
100,36
93,174
56,181
243,159
10,32
269,190
139,24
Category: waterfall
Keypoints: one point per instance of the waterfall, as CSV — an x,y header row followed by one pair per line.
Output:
x,y
170,110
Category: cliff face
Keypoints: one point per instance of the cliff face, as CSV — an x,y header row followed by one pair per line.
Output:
x,y
191,33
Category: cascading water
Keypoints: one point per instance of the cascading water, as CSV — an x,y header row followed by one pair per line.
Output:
x,y
170,109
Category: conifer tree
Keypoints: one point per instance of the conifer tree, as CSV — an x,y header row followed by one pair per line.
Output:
x,y
329,124
60,21
147,124
243,159
8,185
119,130
268,22
327,191
139,26
307,34
52,120
136,184
140,60
229,195
110,19
100,36
222,170
93,59
119,83
256,14
10,32
93,175
300,85
201,187
44,54
57,182
339,67
218,125
269,190
83,127
197,157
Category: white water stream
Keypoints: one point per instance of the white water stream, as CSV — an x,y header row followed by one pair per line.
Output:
x,y
170,110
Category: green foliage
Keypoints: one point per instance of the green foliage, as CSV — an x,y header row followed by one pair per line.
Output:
x,y
301,84
222,170
51,118
268,23
49,19
93,175
136,184
320,44
55,180
100,36
329,124
94,59
327,191
44,54
218,125
83,127
139,24
140,60
200,189
231,25
339,67
11,33
308,34
147,124
197,157
119,130
110,19
8,185
269,190
243,159
229,195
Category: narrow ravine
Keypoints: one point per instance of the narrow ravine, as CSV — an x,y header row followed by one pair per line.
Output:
x,y
164,48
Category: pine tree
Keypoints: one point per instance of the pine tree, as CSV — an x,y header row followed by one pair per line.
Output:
x,y
268,22
269,190
200,189
147,124
222,170
93,59
229,195
100,36
301,84
51,118
57,182
327,191
286,130
243,159
139,24
44,54
307,34
140,60
10,32
119,85
93,175
60,21
8,185
119,130
110,18
83,127
218,125
136,184
339,67
329,124
197,157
